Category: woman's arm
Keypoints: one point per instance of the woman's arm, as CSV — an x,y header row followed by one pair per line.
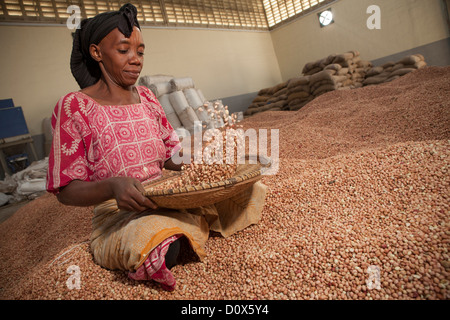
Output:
x,y
127,191
170,165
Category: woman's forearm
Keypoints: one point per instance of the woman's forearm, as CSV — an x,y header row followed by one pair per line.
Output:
x,y
127,191
85,193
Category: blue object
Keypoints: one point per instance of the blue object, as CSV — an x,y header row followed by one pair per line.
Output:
x,y
18,162
6,103
12,122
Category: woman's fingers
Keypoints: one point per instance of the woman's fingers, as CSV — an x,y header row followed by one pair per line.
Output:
x,y
130,195
144,201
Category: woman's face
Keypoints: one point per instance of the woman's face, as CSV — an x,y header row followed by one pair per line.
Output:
x,y
121,59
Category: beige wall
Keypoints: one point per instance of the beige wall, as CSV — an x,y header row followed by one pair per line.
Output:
x,y
34,60
405,24
34,63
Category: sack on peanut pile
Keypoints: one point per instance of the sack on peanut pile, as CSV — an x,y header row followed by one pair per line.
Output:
x,y
160,88
179,84
390,71
149,80
335,72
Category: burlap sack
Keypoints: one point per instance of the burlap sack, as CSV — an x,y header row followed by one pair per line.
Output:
x,y
298,104
294,82
401,72
313,71
339,78
364,64
411,60
307,67
178,101
278,87
392,78
320,76
264,92
324,88
342,71
149,80
299,88
187,118
398,66
298,95
262,98
281,92
202,114
420,65
318,84
333,66
357,77
272,100
374,71
201,96
193,98
171,115
388,64
329,60
165,103
179,84
343,58
330,71
174,120
160,88
375,80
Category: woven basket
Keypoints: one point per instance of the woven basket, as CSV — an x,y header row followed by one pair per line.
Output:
x,y
205,194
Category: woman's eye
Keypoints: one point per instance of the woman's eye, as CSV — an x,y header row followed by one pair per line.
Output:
x,y
123,51
141,53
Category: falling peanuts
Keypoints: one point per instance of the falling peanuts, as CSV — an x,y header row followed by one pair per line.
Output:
x,y
206,171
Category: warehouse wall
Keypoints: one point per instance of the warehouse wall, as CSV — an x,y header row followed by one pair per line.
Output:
x,y
34,62
228,65
405,25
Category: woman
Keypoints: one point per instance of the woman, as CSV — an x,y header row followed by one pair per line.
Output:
x,y
109,139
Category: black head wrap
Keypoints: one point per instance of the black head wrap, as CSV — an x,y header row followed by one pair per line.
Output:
x,y
84,68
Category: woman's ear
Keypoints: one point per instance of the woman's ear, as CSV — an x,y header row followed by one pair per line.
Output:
x,y
95,52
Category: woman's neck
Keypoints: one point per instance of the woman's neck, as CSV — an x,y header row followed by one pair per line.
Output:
x,y
112,94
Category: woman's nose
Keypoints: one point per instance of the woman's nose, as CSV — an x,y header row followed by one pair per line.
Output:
x,y
135,59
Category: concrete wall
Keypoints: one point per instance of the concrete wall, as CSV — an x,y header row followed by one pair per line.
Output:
x,y
405,25
34,62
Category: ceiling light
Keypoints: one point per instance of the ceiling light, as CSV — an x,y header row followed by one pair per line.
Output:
x,y
325,18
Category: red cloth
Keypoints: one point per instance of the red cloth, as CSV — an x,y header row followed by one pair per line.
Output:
x,y
154,267
92,142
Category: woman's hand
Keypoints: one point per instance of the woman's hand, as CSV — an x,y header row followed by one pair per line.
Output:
x,y
129,194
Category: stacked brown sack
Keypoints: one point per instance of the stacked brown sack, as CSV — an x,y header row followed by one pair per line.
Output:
x,y
393,70
335,72
347,68
273,98
299,92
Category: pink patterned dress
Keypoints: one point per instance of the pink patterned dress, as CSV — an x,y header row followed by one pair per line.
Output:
x,y
92,142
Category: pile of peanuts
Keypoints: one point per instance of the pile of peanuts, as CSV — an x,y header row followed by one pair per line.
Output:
x,y
358,210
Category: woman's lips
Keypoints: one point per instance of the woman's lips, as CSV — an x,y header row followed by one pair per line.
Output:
x,y
133,74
